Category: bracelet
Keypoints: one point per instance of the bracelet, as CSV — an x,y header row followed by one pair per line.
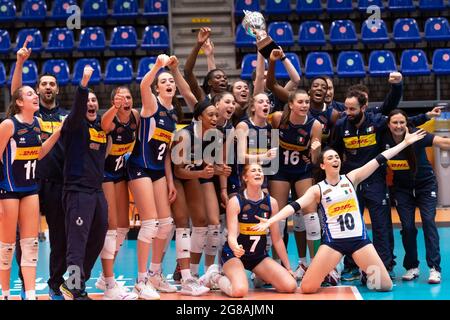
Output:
x,y
381,159
283,58
295,205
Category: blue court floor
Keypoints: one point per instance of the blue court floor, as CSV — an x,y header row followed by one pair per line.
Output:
x,y
419,289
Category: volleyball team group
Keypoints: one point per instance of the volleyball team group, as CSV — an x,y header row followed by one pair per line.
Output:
x,y
232,204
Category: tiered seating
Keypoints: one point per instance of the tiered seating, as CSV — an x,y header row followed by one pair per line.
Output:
x,y
29,73
60,40
79,67
119,70
59,68
59,9
5,41
34,37
33,10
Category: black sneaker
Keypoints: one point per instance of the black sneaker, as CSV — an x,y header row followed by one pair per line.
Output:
x,y
73,294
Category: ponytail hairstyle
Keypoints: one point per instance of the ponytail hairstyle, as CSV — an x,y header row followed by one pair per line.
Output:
x,y
409,150
175,102
287,110
13,107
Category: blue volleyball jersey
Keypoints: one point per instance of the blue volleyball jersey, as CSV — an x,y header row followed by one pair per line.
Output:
x,y
19,160
253,242
123,138
295,141
324,117
155,135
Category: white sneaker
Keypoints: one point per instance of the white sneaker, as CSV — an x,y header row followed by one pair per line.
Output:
x,y
160,283
191,287
117,293
435,276
208,278
100,284
411,274
146,291
300,271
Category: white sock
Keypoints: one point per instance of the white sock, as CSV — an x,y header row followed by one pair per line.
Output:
x,y
142,276
30,294
194,268
110,282
154,268
225,285
186,274
5,294
303,260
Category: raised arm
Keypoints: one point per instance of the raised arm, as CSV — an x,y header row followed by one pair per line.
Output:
x,y
316,137
182,85
394,96
360,174
202,36
149,103
49,143
259,74
108,117
294,76
208,49
22,55
242,148
281,93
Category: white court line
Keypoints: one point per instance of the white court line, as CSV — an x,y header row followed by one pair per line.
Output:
x,y
356,293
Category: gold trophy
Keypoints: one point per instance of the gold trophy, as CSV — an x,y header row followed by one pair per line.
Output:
x,y
255,25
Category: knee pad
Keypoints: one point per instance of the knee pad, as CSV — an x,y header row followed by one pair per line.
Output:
x,y
312,226
183,243
198,239
149,229
30,252
109,247
121,235
299,222
6,255
164,228
212,240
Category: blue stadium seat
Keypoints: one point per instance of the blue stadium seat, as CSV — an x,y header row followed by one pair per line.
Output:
x,y
350,64
401,5
59,68
280,70
155,38
29,73
7,10
311,33
364,4
33,10
278,7
441,61
125,9
60,40
123,38
381,63
59,9
92,39
437,29
5,41
119,70
95,9
374,31
339,6
79,67
156,8
414,63
2,74
248,65
34,35
343,32
144,66
431,5
318,64
241,5
281,33
243,39
309,6
406,30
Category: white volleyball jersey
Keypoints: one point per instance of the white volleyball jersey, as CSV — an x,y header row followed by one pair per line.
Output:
x,y
341,216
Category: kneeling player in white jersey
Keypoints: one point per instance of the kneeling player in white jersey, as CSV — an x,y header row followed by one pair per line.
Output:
x,y
344,230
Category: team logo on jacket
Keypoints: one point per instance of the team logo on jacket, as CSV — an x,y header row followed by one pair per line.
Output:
x,y
79,222
244,217
346,133
370,129
22,140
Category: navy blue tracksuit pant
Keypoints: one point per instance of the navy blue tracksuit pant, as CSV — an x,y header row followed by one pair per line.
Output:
x,y
424,197
86,227
374,195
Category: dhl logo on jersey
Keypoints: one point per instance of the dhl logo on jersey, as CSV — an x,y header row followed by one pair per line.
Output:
x,y
292,147
49,126
341,208
361,141
121,149
162,135
97,136
398,165
29,153
245,228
